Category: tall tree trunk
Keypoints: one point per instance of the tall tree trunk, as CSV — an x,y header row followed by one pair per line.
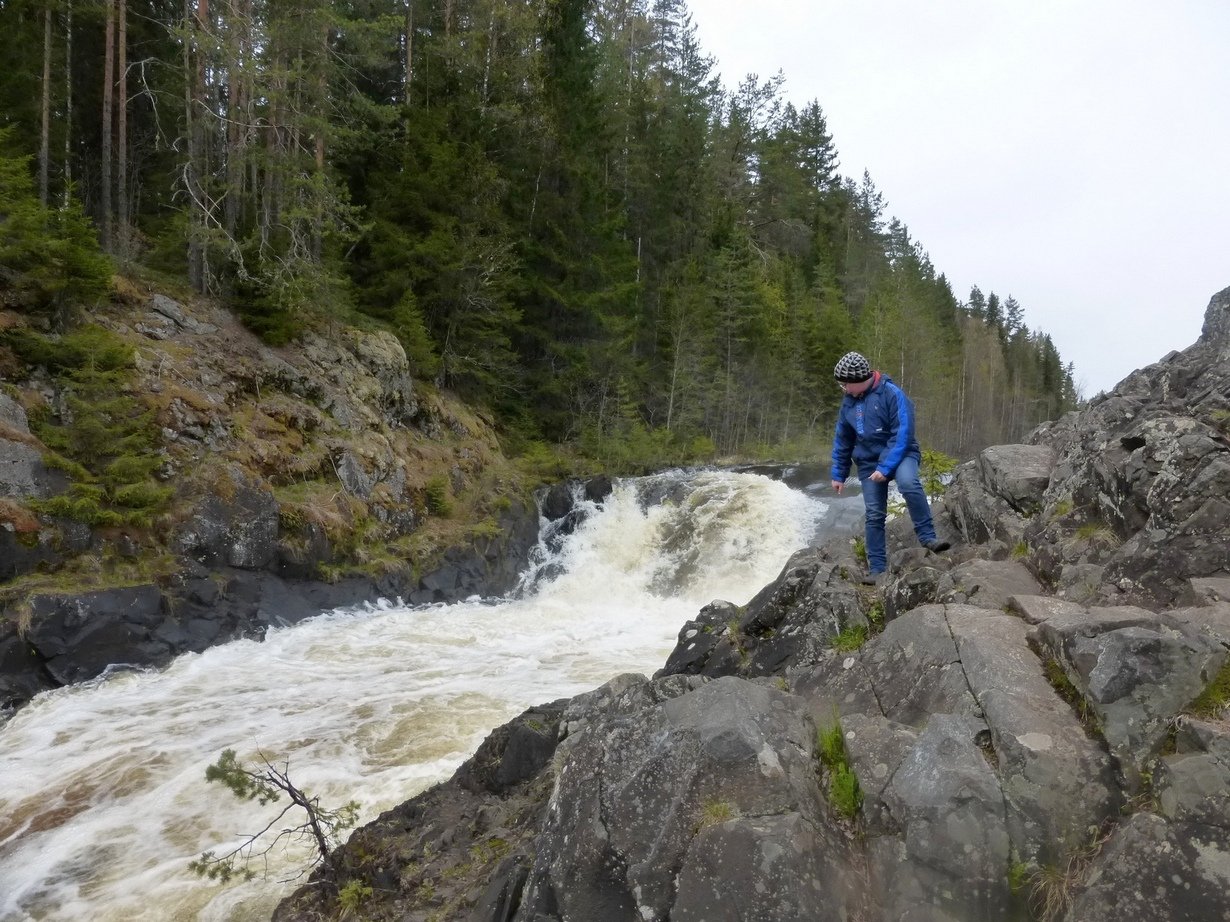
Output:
x,y
68,100
104,221
234,162
409,49
44,139
121,128
194,168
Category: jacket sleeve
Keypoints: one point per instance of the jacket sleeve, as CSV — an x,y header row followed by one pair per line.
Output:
x,y
843,447
900,413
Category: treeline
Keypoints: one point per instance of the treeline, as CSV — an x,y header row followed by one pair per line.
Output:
x,y
553,203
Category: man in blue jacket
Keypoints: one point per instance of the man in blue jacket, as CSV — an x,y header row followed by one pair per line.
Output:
x,y
875,429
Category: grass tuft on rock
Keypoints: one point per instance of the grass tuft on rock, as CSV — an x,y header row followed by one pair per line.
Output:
x,y
843,791
1213,701
1064,687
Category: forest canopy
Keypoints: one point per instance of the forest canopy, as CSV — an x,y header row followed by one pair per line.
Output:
x,y
554,204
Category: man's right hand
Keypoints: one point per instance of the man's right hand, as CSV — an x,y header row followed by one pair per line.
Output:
x,y
837,485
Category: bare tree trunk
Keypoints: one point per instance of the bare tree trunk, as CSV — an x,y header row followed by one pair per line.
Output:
x,y
322,88
104,221
68,100
121,129
194,169
44,145
234,163
488,58
409,49
194,260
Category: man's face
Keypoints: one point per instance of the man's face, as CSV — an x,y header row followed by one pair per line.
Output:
x,y
854,388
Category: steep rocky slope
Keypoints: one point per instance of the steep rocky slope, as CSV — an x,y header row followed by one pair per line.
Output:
x,y
301,478
1033,726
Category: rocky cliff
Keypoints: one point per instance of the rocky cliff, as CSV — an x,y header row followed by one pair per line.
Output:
x,y
1032,726
297,479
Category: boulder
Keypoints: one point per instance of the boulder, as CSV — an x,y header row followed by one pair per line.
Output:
x,y
1136,671
993,498
22,673
790,622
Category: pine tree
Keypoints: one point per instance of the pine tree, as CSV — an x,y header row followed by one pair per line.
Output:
x,y
49,257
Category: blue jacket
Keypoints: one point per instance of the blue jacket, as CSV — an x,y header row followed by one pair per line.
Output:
x,y
875,430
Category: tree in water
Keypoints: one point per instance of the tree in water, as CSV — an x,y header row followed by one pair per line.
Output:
x,y
319,828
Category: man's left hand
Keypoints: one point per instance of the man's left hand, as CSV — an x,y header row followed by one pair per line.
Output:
x,y
877,477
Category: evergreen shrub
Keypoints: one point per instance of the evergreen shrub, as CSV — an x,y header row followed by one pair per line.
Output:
x,y
104,439
49,257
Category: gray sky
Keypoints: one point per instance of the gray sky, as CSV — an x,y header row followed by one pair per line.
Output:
x,y
1074,154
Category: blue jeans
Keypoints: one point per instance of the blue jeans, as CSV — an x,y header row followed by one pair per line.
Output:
x,y
875,501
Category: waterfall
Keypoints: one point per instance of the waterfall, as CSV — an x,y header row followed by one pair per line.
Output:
x,y
103,799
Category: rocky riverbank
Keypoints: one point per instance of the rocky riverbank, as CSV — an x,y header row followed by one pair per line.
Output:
x,y
1032,726
298,479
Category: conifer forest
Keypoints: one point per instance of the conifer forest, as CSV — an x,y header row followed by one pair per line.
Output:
x,y
556,206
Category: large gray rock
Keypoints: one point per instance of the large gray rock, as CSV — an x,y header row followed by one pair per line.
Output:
x,y
915,669
949,860
1136,676
1058,782
758,869
993,498
1193,784
22,472
1153,870
986,583
237,525
647,798
789,623
1018,474
1216,329
80,637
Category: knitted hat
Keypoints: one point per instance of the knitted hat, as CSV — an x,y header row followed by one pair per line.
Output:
x,y
852,368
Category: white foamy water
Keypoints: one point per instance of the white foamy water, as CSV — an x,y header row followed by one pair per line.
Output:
x,y
103,800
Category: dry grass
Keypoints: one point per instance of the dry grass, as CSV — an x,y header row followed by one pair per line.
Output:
x,y
16,435
1052,886
22,520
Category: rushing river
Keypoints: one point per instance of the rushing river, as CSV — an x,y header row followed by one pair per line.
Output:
x,y
103,800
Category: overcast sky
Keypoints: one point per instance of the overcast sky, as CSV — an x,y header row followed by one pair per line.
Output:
x,y
1074,154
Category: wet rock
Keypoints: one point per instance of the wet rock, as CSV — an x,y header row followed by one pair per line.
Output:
x,y
513,753
22,671
236,526
80,637
790,622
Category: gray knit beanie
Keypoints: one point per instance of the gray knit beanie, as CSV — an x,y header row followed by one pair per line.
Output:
x,y
852,368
